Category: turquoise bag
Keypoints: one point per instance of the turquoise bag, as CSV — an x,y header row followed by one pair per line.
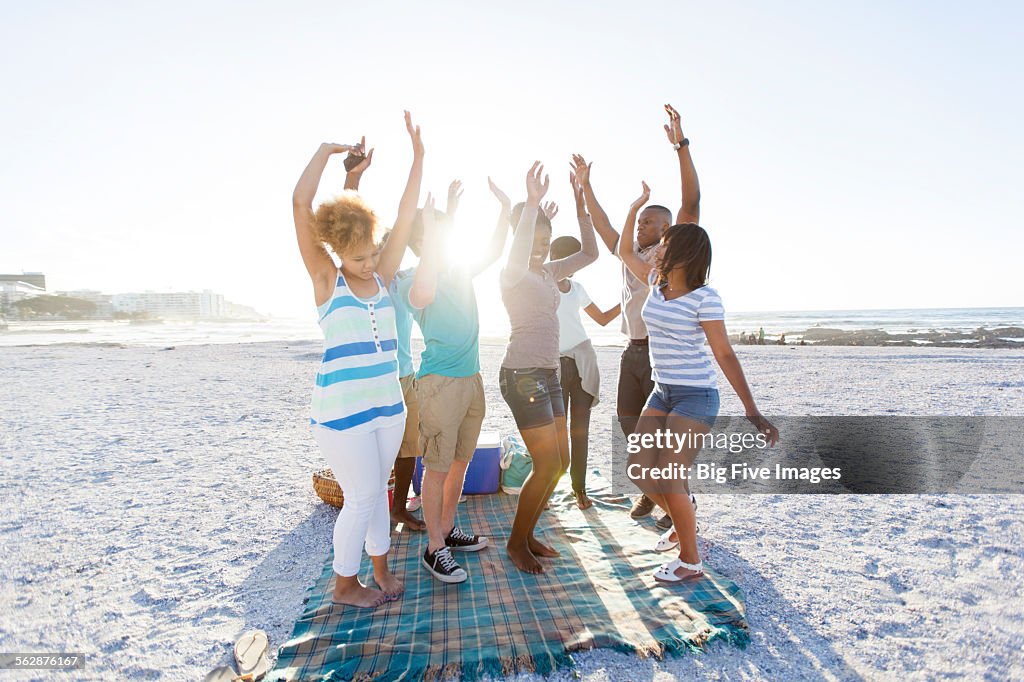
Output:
x,y
516,464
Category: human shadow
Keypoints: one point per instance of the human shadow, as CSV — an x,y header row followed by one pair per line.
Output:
x,y
274,593
802,653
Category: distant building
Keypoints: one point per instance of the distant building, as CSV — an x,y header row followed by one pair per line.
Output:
x,y
36,279
14,288
188,305
176,305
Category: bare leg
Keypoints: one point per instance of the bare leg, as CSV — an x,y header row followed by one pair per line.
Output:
x,y
404,469
542,442
677,501
432,493
453,483
536,546
391,586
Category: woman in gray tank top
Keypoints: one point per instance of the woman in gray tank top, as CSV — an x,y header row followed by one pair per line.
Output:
x,y
528,378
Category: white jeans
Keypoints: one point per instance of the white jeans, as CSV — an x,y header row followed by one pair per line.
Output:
x,y
362,464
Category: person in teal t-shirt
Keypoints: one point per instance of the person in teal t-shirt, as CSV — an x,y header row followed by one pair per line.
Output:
x,y
449,389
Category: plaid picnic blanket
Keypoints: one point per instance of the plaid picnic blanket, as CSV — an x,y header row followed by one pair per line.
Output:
x,y
598,593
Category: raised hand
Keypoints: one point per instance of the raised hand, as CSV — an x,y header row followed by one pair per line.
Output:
x,y
577,188
501,196
535,187
581,169
644,197
429,221
414,133
454,195
358,159
764,427
674,128
550,210
335,148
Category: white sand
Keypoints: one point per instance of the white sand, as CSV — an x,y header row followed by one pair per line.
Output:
x,y
154,504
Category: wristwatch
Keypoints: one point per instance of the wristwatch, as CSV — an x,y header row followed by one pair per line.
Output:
x,y
682,143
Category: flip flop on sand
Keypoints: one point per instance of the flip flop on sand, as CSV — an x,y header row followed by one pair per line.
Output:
x,y
251,655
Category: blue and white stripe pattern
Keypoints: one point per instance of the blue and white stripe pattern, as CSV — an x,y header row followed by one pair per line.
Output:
x,y
357,387
679,355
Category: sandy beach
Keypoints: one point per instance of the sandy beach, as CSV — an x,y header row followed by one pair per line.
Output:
x,y
156,503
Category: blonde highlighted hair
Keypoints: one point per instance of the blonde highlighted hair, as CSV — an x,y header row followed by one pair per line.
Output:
x,y
346,223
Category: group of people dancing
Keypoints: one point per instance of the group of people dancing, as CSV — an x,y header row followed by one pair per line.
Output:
x,y
372,414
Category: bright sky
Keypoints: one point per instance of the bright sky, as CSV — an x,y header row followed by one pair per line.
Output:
x,y
850,155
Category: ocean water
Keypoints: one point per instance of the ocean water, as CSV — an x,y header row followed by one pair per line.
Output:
x,y
791,323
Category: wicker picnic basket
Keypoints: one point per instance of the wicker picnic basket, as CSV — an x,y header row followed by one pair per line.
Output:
x,y
328,490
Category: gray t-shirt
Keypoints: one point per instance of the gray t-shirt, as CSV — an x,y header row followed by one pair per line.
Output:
x,y
634,293
531,298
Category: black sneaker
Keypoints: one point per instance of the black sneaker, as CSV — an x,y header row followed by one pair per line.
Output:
x,y
443,566
463,542
642,507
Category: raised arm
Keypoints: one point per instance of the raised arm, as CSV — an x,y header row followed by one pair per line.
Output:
x,y
565,267
609,235
318,262
637,265
424,283
497,243
454,197
522,243
718,339
391,255
689,212
602,317
356,163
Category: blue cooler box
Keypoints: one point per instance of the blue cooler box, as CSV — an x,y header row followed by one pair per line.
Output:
x,y
484,473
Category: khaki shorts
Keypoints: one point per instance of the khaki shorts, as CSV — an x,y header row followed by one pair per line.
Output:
x,y
411,439
451,414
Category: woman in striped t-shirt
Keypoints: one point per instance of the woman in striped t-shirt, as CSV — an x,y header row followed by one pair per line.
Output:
x,y
358,415
681,312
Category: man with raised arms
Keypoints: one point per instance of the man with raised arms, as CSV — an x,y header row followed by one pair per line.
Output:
x,y
635,382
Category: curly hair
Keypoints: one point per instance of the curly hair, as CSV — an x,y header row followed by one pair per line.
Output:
x,y
345,223
686,245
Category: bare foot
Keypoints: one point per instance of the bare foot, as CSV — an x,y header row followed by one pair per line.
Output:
x,y
410,521
524,559
357,594
538,548
582,501
391,586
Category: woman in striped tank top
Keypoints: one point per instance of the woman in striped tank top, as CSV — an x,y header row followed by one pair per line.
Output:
x,y
358,416
681,312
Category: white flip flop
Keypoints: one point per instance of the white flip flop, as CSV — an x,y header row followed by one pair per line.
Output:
x,y
251,655
665,543
667,573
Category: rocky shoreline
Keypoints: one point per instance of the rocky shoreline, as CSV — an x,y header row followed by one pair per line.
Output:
x,y
1001,337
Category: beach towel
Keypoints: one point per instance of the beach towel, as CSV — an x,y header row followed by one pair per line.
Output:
x,y
598,594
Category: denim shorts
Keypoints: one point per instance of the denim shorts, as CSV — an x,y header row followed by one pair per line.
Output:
x,y
694,402
534,395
